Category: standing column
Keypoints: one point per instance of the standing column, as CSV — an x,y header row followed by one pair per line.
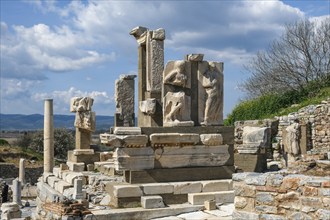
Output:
x,y
48,136
78,193
21,176
17,192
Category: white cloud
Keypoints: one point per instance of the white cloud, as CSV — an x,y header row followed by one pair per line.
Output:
x,y
39,49
62,97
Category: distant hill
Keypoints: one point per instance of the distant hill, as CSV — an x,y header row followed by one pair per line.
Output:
x,y
36,121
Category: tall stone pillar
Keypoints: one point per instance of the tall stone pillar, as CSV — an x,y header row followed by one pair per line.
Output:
x,y
124,95
17,192
21,176
48,136
150,75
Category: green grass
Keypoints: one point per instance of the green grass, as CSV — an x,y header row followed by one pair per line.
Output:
x,y
271,105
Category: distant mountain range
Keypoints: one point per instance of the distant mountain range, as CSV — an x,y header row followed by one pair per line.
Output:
x,y
36,121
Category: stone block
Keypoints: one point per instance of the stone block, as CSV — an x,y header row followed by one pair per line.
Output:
x,y
57,171
45,176
174,139
244,190
256,179
76,167
70,177
124,140
211,139
125,191
62,185
151,202
251,162
52,180
127,131
157,188
86,156
219,197
322,214
193,156
244,203
179,174
266,209
133,158
186,187
265,198
217,185
210,205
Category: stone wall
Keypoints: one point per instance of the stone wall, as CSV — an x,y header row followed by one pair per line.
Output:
x,y
316,118
9,170
281,196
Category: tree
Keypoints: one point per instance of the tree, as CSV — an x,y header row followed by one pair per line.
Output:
x,y
299,56
63,141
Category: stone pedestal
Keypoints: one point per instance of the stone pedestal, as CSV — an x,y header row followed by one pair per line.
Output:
x,y
48,136
83,138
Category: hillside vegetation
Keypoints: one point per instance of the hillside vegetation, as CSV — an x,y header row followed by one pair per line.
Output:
x,y
270,105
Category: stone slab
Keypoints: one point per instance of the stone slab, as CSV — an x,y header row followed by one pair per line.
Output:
x,y
211,139
217,185
193,156
125,191
127,131
157,188
186,187
173,139
179,174
140,213
124,140
151,202
219,197
251,162
227,132
134,163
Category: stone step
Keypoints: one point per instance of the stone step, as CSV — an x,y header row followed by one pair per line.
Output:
x,y
219,197
141,213
124,190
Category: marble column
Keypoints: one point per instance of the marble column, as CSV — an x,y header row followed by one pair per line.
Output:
x,y
17,192
21,176
48,136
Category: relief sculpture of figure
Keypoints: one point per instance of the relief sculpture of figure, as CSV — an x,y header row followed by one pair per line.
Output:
x,y
211,84
177,76
174,106
293,138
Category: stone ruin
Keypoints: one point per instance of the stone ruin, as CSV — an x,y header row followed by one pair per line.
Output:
x,y
179,152
178,158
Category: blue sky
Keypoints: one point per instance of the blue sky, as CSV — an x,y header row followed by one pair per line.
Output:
x,y
61,49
